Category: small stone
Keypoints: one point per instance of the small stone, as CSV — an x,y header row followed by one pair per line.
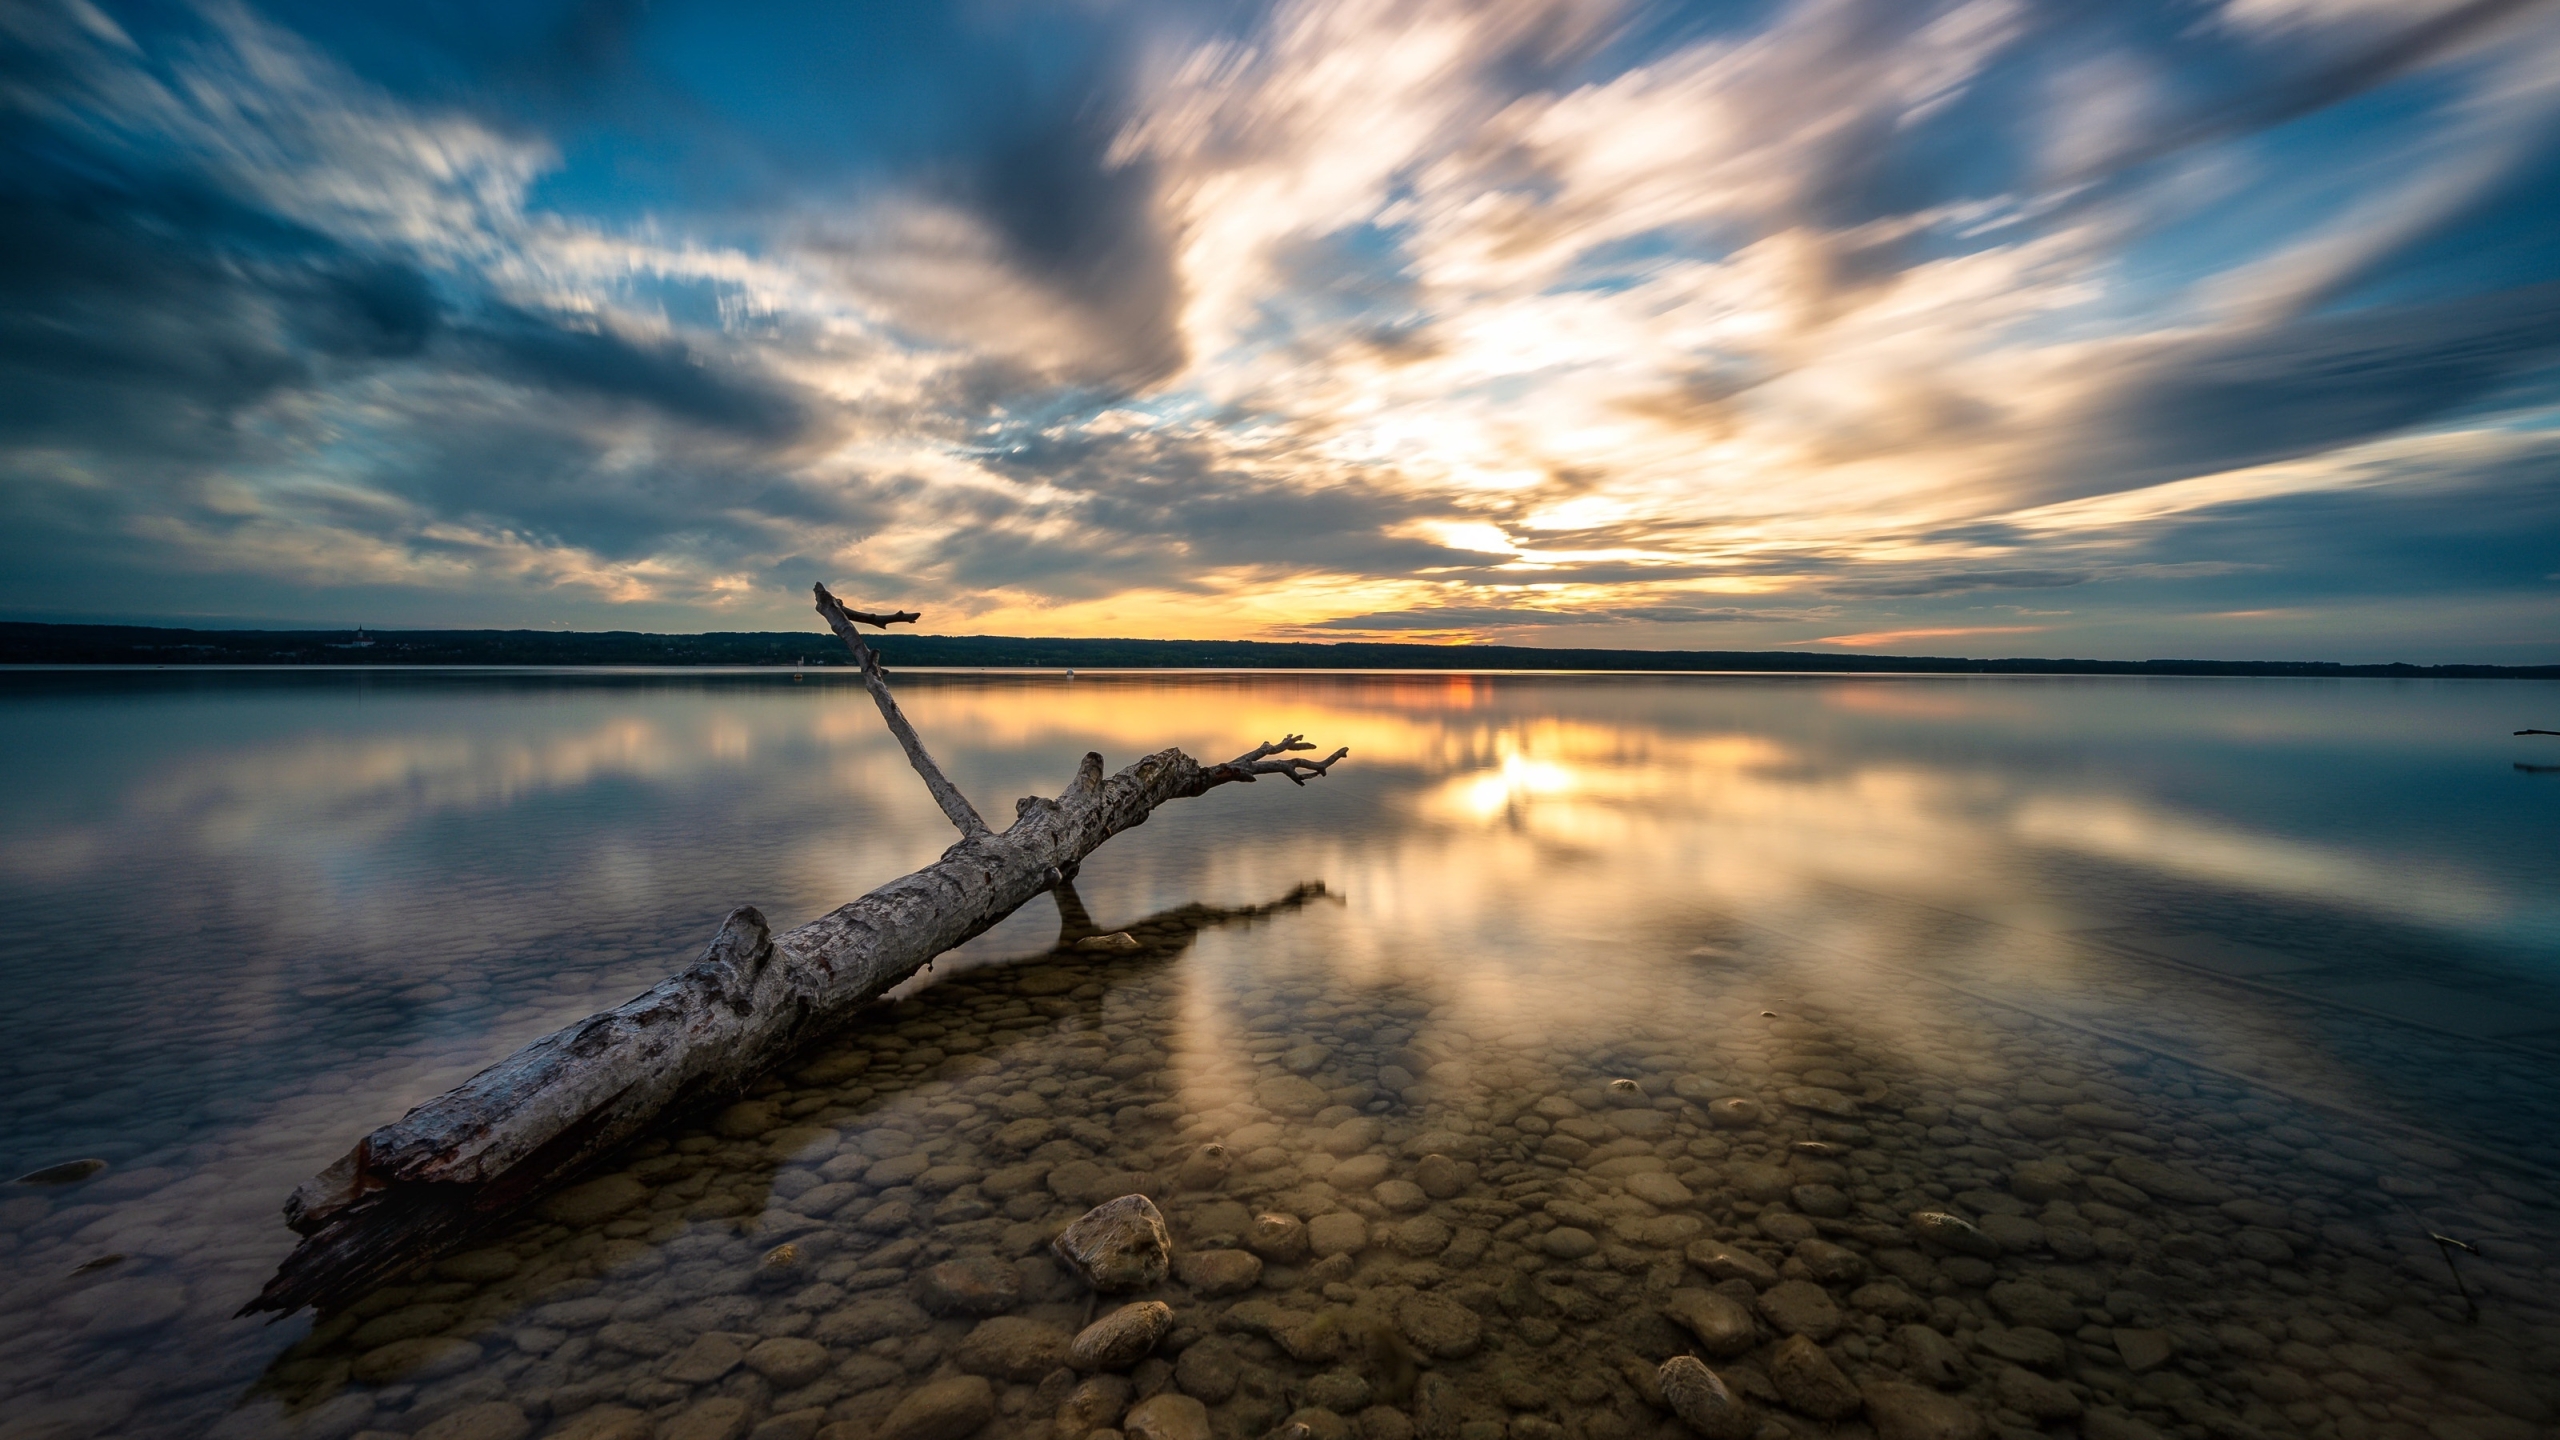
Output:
x,y
1212,1273
1118,1245
2024,1302
978,1285
1095,1404
429,1358
1907,1412
781,1266
1209,1370
1953,1233
1358,1173
1291,1095
1723,1325
1440,1177
2144,1349
1168,1416
495,1420
2166,1182
789,1362
1342,1232
1420,1237
2014,1234
2034,1396
1761,1184
1832,1264
944,1410
723,1418
1280,1239
1305,1059
1827,1201
1931,1356
1441,1328
1722,1262
1568,1242
1205,1169
707,1359
1657,1188
595,1202
1802,1308
478,1267
2024,1345
1808,1381
1354,1135
1122,1338
2040,1181
69,1172
1734,1112
605,1422
1698,1396
1012,1347
1821,1100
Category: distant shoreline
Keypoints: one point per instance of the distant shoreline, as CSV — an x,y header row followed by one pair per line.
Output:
x,y
28,643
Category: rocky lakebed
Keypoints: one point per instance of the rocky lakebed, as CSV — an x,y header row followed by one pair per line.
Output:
x,y
1112,1192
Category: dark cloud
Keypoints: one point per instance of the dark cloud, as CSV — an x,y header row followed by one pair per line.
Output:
x,y
666,376
2308,384
1484,617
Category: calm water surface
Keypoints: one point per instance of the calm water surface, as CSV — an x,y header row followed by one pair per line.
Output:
x,y
1574,1023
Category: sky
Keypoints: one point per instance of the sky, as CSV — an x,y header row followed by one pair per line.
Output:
x,y
2153,328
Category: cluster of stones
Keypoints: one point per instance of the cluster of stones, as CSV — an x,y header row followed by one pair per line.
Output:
x,y
1038,1202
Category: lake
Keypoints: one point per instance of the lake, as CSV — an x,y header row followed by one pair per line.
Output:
x,y
1574,1022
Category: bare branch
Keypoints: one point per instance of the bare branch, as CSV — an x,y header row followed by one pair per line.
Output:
x,y
945,794
1254,763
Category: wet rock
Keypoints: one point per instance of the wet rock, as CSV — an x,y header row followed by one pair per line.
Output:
x,y
1358,1173
2040,1181
1722,1262
1212,1273
1118,1245
1205,1168
1568,1242
1439,1328
1799,1307
1657,1188
494,1420
1279,1239
1168,1416
1209,1371
1399,1195
1420,1237
1698,1396
789,1362
1761,1184
1734,1112
978,1285
2024,1302
604,1422
707,1359
1821,1100
1827,1201
1807,1380
1953,1234
2034,1396
1906,1412
1291,1095
781,1266
1722,1324
2102,1424
1832,1264
1122,1338
944,1410
875,1318
1342,1232
725,1417
69,1172
1095,1404
1889,1298
595,1202
1012,1347
2167,1182
430,1358
1440,1177
2024,1345
1353,1136
2144,1350
1931,1356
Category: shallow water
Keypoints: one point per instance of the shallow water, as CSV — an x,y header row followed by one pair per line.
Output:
x,y
2210,1001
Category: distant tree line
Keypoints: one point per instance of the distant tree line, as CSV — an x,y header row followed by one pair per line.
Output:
x,y
23,643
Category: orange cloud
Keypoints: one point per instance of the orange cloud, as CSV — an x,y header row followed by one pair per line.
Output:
x,y
1888,637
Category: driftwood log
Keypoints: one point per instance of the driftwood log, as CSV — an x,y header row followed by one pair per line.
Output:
x,y
458,1165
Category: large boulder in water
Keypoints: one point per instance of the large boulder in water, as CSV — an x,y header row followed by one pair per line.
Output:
x,y
1118,1245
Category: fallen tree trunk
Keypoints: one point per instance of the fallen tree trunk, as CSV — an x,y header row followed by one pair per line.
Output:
x,y
463,1162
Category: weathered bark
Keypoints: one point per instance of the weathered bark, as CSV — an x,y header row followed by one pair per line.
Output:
x,y
457,1165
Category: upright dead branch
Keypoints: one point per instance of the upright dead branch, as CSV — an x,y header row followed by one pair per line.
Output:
x,y
458,1165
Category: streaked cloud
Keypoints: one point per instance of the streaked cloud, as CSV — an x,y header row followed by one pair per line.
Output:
x,y
1554,321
